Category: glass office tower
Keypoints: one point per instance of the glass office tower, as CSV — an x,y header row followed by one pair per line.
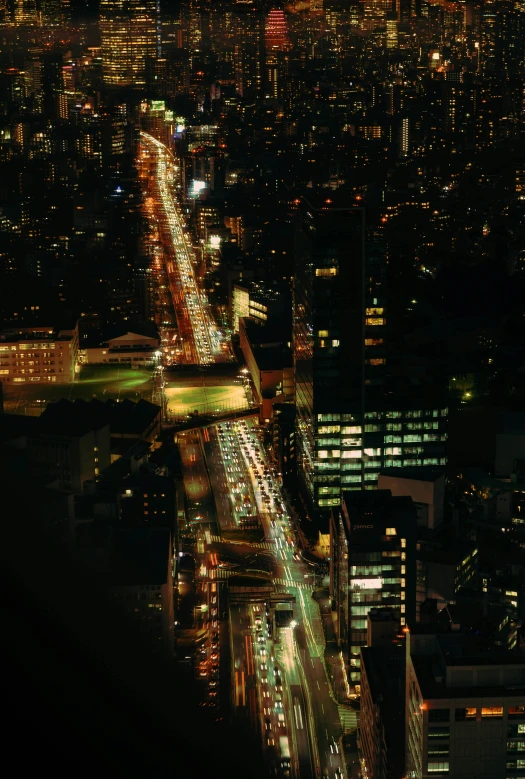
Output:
x,y
355,417
129,40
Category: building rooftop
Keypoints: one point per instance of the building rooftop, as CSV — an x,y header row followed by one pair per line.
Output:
x,y
140,556
268,335
13,426
374,503
385,671
79,416
14,335
427,474
435,656
272,358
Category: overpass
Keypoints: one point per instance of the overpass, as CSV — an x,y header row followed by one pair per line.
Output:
x,y
196,423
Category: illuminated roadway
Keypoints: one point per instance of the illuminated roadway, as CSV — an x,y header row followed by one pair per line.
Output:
x,y
203,342
311,713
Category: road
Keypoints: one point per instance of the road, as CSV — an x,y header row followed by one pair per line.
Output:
x,y
236,459
201,340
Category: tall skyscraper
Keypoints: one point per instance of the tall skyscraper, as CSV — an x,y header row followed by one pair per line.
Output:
x,y
276,32
25,12
373,565
375,13
55,12
277,43
129,33
355,417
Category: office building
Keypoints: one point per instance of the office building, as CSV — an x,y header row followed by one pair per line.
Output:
x,y
270,366
354,417
128,32
71,448
25,12
55,12
38,354
372,566
465,714
426,487
141,581
445,566
381,738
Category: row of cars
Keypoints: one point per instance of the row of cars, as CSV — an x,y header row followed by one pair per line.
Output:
x,y
240,493
271,687
208,668
263,475
200,320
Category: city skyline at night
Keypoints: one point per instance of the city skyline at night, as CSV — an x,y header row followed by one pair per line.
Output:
x,y
262,397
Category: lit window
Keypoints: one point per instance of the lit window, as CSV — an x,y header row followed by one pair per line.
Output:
x,y
438,767
403,543
323,333
515,712
390,531
469,713
492,711
326,272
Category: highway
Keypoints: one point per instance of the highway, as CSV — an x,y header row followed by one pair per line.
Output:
x,y
202,342
235,456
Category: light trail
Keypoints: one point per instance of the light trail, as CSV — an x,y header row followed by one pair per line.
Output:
x,y
189,301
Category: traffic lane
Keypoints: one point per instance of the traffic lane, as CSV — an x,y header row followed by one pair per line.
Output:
x,y
218,479
233,457
238,660
244,667
325,712
299,717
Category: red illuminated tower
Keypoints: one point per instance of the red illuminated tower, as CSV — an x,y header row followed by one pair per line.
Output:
x,y
276,31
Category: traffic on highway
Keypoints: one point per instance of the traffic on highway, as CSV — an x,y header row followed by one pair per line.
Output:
x,y
279,681
202,342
